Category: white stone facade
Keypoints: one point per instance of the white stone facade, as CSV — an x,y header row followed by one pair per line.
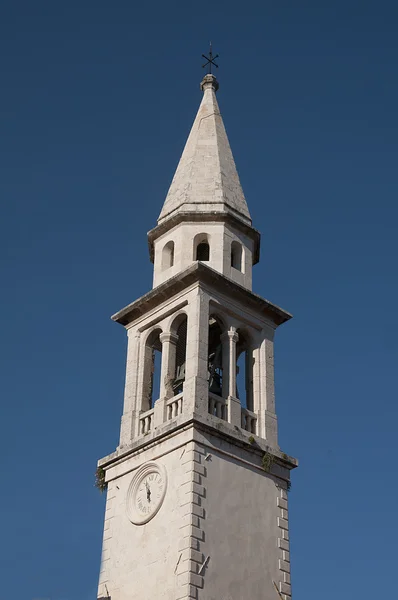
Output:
x,y
215,527
217,534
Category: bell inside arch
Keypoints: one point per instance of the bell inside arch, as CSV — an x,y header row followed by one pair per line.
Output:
x,y
181,350
215,358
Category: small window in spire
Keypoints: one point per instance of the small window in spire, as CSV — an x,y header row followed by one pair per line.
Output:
x,y
203,251
168,255
236,256
201,247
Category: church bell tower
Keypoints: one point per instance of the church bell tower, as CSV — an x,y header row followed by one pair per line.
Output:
x,y
197,503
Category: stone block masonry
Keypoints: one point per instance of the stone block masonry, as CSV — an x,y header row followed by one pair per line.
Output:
x,y
283,545
191,563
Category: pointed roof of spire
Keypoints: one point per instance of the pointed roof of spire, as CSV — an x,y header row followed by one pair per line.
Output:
x,y
206,179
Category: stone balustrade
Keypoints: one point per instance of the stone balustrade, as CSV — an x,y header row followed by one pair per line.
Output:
x,y
218,407
174,406
249,420
146,422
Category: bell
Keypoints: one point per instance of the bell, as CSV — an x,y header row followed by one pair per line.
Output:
x,y
215,372
179,379
215,384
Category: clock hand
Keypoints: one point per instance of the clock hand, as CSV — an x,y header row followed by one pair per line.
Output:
x,y
148,491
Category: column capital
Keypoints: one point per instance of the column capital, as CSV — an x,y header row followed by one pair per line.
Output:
x,y
230,335
167,336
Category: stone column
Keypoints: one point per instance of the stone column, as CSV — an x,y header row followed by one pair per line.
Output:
x,y
196,385
268,428
130,408
233,339
169,344
225,364
229,340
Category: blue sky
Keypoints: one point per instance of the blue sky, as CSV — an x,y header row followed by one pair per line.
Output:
x,y
97,101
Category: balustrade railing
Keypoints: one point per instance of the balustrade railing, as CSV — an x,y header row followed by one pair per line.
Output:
x,y
218,407
249,420
146,422
174,406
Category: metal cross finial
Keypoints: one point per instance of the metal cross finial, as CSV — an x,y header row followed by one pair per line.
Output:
x,y
210,60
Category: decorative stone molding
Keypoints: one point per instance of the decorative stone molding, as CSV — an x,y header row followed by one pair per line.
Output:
x,y
283,545
168,337
191,562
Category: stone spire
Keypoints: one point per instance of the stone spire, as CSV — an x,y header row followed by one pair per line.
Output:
x,y
206,179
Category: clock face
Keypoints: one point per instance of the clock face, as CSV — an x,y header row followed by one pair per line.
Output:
x,y
146,493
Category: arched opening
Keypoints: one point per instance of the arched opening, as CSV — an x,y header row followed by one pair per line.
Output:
x,y
244,371
152,369
236,256
181,353
215,357
201,247
168,255
203,251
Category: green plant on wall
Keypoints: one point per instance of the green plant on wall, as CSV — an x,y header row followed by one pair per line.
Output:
x,y
267,461
100,482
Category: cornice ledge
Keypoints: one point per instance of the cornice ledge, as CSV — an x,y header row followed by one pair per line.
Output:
x,y
199,272
206,424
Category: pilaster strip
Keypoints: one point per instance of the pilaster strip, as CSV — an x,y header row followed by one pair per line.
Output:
x,y
107,536
192,494
283,545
